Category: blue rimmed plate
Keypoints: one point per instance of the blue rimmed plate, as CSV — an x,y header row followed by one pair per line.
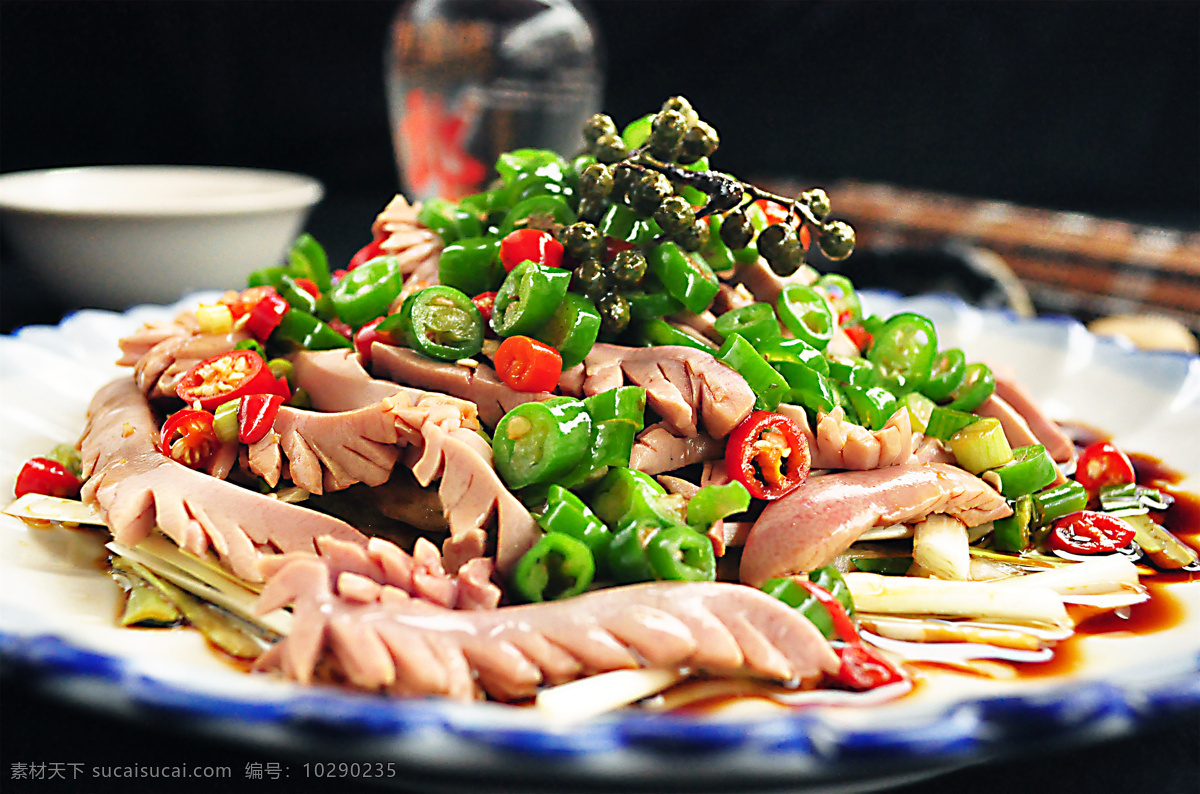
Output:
x,y
56,611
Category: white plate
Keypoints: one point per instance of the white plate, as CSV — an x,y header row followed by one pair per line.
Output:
x,y
56,612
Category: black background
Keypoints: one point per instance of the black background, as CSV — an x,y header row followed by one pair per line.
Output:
x,y
1083,106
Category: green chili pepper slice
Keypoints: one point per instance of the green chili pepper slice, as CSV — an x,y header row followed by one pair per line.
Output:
x,y
624,402
1011,533
548,205
686,278
658,333
626,558
539,442
566,514
794,351
267,277
572,329
547,163
769,387
367,291
847,307
851,371
715,502
903,352
450,221
756,322
637,131
873,405
716,253
297,297
806,314
681,554
947,372
622,223
628,494
795,595
649,305
528,298
977,385
471,264
308,332
307,258
1053,503
1031,469
808,387
442,322
611,446
558,566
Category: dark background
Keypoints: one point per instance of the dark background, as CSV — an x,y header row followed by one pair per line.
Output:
x,y
1082,106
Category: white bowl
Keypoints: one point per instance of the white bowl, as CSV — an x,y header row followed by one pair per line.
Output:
x,y
115,236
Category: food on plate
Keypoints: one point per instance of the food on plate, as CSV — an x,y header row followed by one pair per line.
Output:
x,y
600,422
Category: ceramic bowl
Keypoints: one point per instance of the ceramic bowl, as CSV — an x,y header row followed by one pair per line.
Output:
x,y
116,236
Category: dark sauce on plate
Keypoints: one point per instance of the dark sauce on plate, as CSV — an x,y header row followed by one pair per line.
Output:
x,y
1164,610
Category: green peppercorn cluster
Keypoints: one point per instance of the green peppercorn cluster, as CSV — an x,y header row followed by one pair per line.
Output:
x,y
664,178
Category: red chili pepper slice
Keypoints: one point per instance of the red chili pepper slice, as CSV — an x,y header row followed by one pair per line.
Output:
x,y
266,314
368,335
1089,532
776,213
188,437
1103,464
860,336
534,245
46,476
365,254
256,414
226,377
862,667
486,303
309,286
767,439
528,365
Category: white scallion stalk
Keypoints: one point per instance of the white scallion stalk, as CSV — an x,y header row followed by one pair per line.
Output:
x,y
890,532
579,700
1108,574
940,546
902,595
36,507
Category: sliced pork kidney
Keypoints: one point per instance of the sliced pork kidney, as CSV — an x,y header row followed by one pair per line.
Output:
x,y
809,527
688,388
407,646
137,488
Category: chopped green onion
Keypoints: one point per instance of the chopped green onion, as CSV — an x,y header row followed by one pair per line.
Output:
x,y
225,421
945,422
1054,503
981,446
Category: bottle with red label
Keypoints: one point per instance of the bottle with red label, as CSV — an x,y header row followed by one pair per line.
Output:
x,y
469,79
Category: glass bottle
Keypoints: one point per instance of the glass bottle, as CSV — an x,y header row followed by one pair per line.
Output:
x,y
469,79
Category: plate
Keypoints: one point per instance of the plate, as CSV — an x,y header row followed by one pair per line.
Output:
x,y
56,614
